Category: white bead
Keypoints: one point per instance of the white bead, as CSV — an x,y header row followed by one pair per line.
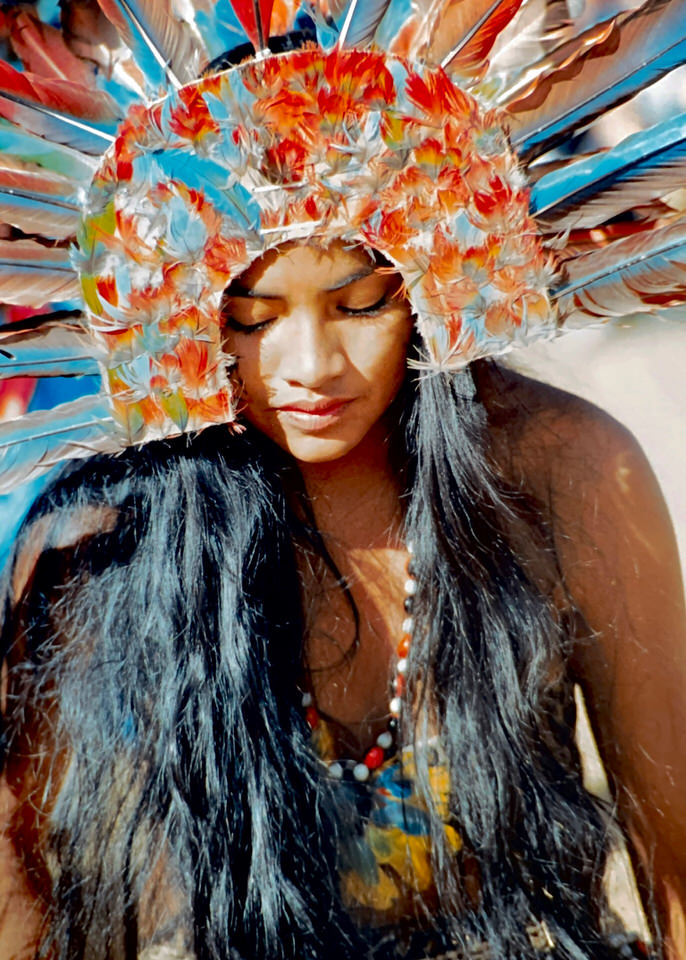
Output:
x,y
409,546
384,740
361,771
410,587
307,700
335,771
401,665
395,706
408,624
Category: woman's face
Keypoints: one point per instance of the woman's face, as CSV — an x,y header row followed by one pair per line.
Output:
x,y
321,338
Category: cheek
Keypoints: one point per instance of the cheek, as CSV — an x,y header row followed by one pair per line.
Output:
x,y
383,358
249,368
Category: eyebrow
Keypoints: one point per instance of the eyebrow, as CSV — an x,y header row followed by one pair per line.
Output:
x,y
351,278
236,288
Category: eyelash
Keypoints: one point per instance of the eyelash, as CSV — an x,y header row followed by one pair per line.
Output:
x,y
372,310
366,311
247,328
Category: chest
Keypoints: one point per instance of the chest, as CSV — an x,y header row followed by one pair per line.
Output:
x,y
354,626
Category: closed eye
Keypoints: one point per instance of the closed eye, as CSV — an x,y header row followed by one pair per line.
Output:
x,y
373,308
234,324
245,313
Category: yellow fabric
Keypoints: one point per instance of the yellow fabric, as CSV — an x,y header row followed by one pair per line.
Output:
x,y
386,863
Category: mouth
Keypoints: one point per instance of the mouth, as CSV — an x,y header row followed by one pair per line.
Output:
x,y
313,415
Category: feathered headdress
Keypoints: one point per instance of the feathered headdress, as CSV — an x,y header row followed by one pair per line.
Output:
x,y
141,172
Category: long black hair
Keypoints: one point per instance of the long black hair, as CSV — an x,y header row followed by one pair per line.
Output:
x,y
166,649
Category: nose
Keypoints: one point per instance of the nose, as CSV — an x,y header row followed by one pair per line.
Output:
x,y
313,353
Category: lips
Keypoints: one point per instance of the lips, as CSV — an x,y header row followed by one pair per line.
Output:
x,y
314,407
313,414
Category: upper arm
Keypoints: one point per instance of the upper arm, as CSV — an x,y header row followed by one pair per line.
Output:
x,y
618,563
620,566
27,776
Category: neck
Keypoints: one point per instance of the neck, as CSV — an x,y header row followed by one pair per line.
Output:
x,y
356,498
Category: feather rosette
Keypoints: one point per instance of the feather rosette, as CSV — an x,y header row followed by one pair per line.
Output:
x,y
349,144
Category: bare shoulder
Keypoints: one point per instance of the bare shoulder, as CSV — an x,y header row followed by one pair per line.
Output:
x,y
614,543
549,441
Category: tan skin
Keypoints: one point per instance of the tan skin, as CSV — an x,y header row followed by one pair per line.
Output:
x,y
321,340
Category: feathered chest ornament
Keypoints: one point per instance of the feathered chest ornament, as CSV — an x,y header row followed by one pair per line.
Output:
x,y
137,182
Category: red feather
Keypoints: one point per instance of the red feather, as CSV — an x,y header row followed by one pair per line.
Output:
x,y
459,34
15,396
42,50
472,54
255,17
64,96
31,178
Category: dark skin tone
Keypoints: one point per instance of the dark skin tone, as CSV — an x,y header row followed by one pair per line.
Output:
x,y
618,565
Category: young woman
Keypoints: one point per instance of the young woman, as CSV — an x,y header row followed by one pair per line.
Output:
x,y
171,609
301,686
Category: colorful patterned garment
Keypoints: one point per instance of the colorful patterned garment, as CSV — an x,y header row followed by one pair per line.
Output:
x,y
386,867
385,860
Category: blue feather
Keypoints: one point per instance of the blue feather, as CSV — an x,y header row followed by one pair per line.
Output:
x,y
632,51
45,215
360,22
58,127
220,29
51,350
56,157
397,14
578,195
34,443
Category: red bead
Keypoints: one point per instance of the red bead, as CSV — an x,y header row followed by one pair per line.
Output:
x,y
374,758
399,684
404,645
312,717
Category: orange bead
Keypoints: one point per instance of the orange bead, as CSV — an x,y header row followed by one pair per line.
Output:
x,y
404,645
312,717
399,685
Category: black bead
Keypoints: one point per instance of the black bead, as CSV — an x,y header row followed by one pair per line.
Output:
x,y
407,604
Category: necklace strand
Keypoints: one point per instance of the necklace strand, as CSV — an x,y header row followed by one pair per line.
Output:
x,y
385,745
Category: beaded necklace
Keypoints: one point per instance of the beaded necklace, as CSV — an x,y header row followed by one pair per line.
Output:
x,y
386,742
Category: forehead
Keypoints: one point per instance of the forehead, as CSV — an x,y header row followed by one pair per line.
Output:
x,y
306,268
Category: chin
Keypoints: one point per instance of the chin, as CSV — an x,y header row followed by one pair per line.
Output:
x,y
316,450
